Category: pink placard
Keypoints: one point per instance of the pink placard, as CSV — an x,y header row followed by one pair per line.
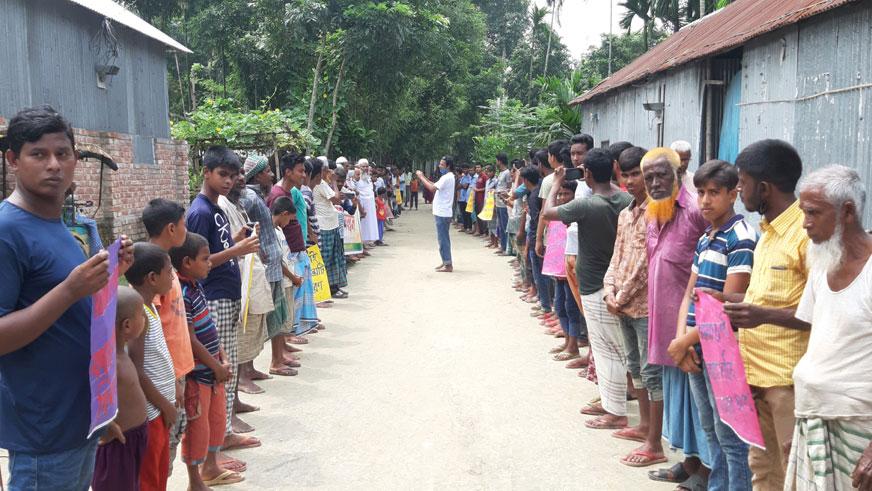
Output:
x,y
726,372
554,263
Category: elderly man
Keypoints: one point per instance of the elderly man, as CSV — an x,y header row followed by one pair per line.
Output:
x,y
771,339
682,148
832,382
366,195
674,226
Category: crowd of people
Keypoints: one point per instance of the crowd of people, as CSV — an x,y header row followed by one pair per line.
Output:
x,y
612,247
217,281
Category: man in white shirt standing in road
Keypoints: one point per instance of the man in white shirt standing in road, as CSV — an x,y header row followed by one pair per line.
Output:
x,y
443,203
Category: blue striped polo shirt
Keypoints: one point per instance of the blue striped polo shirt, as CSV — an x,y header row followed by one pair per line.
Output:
x,y
197,312
729,251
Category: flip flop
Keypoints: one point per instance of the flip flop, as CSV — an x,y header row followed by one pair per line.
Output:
x,y
650,459
598,424
629,434
675,474
226,477
594,409
284,371
340,294
232,464
555,350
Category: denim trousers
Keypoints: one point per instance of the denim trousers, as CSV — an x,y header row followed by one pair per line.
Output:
x,y
70,470
443,224
567,309
544,285
502,222
647,375
729,454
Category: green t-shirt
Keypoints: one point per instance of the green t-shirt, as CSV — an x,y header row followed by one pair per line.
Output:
x,y
597,218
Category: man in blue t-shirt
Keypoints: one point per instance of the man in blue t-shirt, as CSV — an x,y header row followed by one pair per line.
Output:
x,y
223,286
45,312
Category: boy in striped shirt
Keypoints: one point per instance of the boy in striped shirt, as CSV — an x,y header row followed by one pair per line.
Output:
x,y
204,388
721,265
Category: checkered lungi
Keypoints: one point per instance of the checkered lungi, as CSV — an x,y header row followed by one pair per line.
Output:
x,y
225,313
333,254
607,345
277,319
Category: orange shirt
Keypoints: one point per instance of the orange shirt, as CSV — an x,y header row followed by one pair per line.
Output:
x,y
415,186
171,308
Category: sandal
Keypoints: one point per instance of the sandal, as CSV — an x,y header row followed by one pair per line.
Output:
x,y
594,409
566,356
340,294
629,434
601,424
226,477
694,483
675,474
284,371
557,349
648,458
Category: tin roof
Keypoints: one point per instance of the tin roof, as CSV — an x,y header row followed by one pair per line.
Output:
x,y
121,15
720,31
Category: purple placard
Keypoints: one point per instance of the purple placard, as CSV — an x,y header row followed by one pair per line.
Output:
x,y
104,385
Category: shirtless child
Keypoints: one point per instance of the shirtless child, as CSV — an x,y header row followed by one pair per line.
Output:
x,y
122,447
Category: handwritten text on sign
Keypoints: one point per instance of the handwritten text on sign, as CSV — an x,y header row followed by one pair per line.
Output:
x,y
320,283
726,372
104,385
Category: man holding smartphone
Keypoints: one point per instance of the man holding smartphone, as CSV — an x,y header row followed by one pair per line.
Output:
x,y
504,183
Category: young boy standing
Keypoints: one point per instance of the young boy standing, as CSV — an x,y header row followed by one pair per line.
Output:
x,y
381,214
721,266
123,447
223,285
152,274
283,215
164,222
204,389
45,312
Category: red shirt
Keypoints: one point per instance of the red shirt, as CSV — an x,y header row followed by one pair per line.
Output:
x,y
381,212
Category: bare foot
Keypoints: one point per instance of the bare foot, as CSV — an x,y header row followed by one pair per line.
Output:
x,y
227,462
445,269
240,426
607,422
234,441
249,387
256,375
241,407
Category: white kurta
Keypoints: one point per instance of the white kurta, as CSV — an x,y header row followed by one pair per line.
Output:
x,y
366,196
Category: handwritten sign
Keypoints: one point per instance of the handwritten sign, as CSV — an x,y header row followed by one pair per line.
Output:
x,y
353,244
555,249
488,211
101,370
320,284
726,372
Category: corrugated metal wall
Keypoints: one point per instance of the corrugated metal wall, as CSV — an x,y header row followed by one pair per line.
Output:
x,y
45,59
620,116
795,66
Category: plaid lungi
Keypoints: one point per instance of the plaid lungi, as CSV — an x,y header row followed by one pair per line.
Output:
x,y
276,320
333,253
607,345
225,313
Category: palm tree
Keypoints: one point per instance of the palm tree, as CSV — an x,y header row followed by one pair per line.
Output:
x,y
537,15
643,9
555,6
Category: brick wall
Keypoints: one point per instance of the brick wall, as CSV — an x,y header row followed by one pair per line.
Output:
x,y
127,190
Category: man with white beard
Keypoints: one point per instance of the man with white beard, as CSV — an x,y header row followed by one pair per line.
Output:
x,y
366,195
832,380
771,338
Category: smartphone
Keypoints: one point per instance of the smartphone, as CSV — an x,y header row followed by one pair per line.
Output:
x,y
574,174
250,226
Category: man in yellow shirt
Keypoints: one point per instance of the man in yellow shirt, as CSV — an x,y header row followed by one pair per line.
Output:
x,y
771,339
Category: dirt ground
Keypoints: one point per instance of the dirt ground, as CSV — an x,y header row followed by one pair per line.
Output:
x,y
426,380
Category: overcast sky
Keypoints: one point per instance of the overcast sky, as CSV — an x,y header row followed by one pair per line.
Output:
x,y
583,21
